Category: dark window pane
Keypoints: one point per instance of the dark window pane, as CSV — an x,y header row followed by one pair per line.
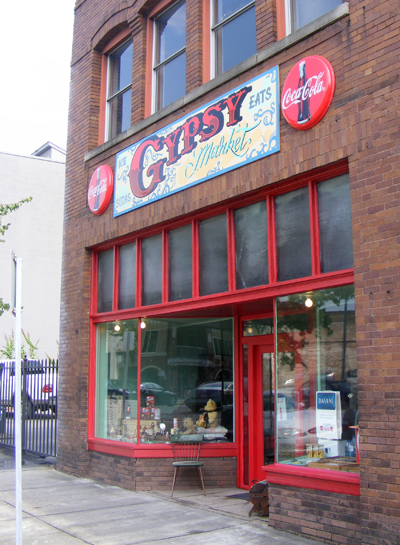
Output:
x,y
336,241
309,10
152,270
105,285
235,41
293,243
119,96
127,276
180,263
121,68
120,113
251,245
213,255
171,81
171,26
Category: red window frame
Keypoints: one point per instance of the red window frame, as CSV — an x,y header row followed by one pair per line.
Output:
x,y
113,44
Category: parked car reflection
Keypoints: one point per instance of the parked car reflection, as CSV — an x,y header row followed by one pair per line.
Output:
x,y
221,393
129,392
161,395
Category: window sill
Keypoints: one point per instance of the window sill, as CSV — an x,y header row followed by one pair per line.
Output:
x,y
314,479
134,450
268,53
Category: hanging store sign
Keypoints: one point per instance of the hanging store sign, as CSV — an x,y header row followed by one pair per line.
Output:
x,y
100,189
308,92
231,131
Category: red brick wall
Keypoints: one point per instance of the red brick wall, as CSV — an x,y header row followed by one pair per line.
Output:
x,y
362,126
157,474
318,515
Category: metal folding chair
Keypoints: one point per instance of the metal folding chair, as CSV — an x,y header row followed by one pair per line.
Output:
x,y
187,452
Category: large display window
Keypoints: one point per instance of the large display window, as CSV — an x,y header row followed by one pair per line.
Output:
x,y
316,380
157,377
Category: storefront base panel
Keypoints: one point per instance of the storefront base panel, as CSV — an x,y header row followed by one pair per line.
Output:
x,y
146,474
324,516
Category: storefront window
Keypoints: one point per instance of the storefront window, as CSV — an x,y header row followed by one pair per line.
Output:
x,y
316,405
116,379
186,380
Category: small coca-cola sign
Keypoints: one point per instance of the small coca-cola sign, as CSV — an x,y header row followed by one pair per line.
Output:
x,y
308,92
100,189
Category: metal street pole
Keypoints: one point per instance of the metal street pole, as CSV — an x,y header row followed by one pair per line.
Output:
x,y
17,403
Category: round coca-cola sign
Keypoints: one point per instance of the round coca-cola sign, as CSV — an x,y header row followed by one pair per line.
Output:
x,y
100,189
308,92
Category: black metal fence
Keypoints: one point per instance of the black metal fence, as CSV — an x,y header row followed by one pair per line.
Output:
x,y
39,383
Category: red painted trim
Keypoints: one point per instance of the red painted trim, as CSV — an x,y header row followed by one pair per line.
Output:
x,y
148,97
132,450
195,260
94,278
116,279
230,227
280,19
323,281
138,274
272,257
117,40
165,261
339,482
91,379
206,41
314,228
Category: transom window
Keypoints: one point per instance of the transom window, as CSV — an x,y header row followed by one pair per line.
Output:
x,y
283,237
234,33
169,66
119,90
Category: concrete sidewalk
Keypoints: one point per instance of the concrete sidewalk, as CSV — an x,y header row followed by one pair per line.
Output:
x,y
59,509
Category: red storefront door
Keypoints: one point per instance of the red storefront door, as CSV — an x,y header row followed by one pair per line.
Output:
x,y
258,427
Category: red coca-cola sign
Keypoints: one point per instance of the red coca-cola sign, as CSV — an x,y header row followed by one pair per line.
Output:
x,y
308,92
100,189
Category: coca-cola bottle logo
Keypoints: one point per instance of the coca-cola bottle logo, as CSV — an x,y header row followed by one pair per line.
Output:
x,y
100,189
308,92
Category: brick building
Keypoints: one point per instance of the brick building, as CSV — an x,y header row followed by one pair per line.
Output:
x,y
231,234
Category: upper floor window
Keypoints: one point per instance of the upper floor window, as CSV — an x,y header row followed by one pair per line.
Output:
x,y
233,33
301,12
169,65
119,89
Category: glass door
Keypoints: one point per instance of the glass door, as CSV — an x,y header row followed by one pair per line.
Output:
x,y
258,422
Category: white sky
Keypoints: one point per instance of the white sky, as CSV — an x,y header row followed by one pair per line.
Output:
x,y
36,45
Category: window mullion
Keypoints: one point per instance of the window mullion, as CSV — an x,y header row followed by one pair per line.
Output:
x,y
231,251
139,273
195,258
170,58
165,262
271,226
314,232
116,279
